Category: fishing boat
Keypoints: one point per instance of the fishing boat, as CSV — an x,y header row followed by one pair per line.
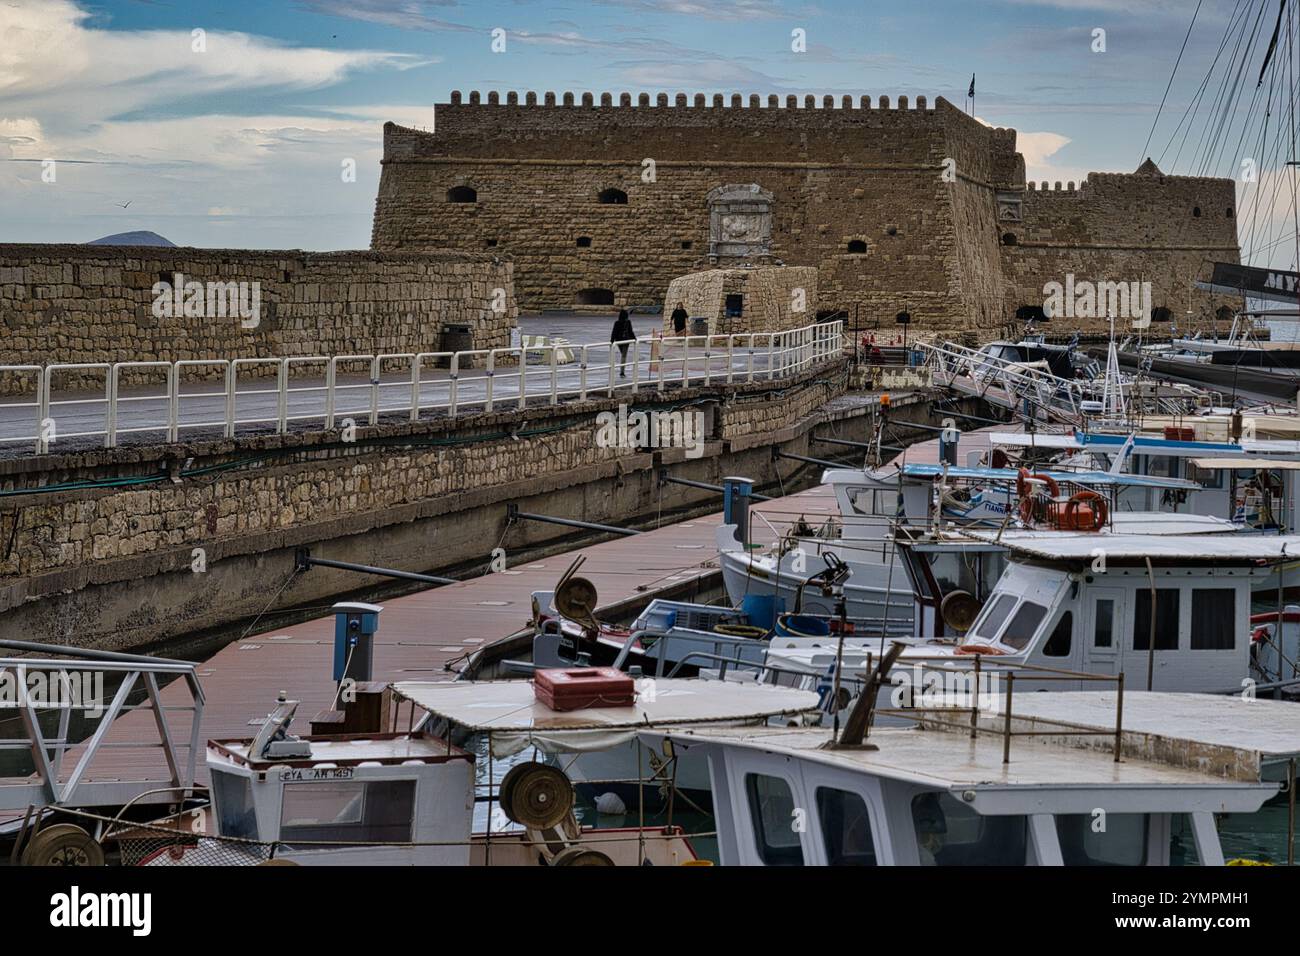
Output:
x,y
1082,604
409,797
872,504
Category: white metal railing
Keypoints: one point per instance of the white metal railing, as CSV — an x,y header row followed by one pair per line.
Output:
x,y
198,394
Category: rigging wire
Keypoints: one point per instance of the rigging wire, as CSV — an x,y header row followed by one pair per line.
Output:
x,y
1171,80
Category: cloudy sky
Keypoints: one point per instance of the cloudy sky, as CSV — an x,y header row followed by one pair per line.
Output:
x,y
237,136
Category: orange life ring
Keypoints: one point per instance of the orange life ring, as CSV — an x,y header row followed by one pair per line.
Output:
x,y
1022,483
1099,509
978,649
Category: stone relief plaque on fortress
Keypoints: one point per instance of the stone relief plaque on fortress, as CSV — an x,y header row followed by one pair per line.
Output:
x,y
740,221
1009,206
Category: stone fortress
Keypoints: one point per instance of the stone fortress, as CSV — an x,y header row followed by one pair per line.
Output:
x,y
899,206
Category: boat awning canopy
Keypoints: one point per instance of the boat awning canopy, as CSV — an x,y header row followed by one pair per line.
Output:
x,y
1235,464
1091,478
1185,548
510,711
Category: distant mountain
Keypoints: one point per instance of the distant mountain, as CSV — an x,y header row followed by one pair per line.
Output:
x,y
142,238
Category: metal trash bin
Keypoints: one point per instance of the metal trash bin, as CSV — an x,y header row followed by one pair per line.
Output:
x,y
700,325
455,337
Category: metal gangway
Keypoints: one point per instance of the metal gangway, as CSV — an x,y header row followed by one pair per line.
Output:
x,y
86,728
1011,385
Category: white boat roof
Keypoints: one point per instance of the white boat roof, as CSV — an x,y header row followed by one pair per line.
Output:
x,y
1145,443
343,751
1126,524
1164,522
1064,546
1232,464
1224,735
954,761
511,705
1091,478
1271,446
1035,439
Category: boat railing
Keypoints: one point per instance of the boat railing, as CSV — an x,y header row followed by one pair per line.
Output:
x,y
66,707
183,840
971,711
974,712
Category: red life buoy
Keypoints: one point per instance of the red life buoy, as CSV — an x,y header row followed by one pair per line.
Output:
x,y
1023,478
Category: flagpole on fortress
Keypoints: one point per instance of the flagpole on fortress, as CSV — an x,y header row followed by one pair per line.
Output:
x,y
970,96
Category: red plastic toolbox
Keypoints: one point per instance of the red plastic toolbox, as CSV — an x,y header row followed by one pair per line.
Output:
x,y
572,688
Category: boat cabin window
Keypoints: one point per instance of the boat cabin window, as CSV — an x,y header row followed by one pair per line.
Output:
x,y
964,571
373,811
873,501
1115,839
1166,619
771,809
1182,841
989,625
1162,466
1208,478
1023,625
1058,645
233,796
846,828
950,833
1214,619
914,564
1103,623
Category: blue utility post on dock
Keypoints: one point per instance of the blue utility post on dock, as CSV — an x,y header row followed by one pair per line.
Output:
x,y
355,626
736,494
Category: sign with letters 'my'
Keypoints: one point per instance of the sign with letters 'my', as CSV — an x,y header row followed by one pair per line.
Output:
x,y
1277,285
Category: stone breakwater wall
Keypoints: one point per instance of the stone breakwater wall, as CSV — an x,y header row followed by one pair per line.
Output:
x,y
93,304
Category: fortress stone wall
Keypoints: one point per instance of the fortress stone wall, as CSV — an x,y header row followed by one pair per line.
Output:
x,y
81,303
898,205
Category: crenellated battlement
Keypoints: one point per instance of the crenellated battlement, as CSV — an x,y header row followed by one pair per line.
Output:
x,y
1057,188
692,101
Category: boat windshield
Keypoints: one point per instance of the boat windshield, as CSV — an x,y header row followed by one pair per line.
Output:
x,y
1023,626
987,627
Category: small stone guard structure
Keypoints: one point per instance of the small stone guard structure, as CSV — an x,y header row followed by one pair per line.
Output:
x,y
764,299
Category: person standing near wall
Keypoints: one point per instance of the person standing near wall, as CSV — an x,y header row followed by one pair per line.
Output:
x,y
622,335
679,320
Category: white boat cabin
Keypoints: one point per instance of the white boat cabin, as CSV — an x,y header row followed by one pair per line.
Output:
x,y
1083,602
346,796
934,797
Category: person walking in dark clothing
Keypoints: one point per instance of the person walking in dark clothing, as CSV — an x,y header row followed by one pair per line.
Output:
x,y
622,335
679,319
